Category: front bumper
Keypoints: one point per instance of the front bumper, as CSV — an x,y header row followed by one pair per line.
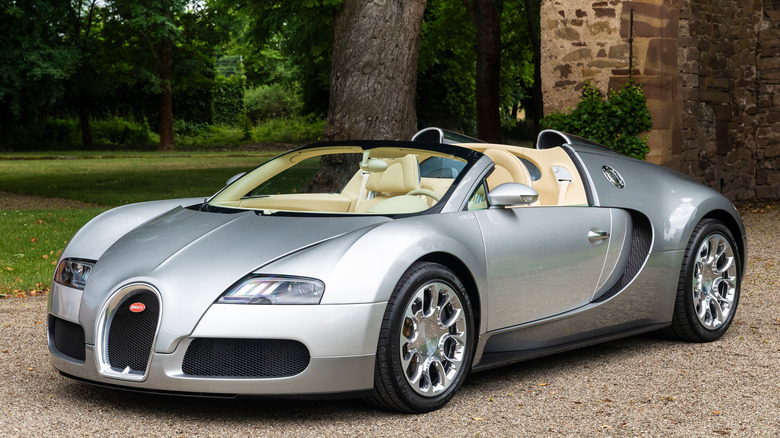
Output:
x,y
341,340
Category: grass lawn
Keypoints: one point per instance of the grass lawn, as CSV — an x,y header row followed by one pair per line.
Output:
x,y
32,240
120,180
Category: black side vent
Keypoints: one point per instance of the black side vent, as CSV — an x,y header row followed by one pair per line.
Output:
x,y
550,139
68,338
132,330
429,135
258,358
641,239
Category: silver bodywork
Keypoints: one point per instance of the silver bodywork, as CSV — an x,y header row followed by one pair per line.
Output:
x,y
542,279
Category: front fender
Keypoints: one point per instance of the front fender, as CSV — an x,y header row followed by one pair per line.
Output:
x,y
366,265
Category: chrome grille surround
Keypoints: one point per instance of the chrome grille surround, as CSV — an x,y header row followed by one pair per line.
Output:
x,y
106,318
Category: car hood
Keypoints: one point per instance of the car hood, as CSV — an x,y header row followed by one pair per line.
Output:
x,y
192,257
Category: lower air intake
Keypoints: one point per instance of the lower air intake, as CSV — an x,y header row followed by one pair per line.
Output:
x,y
68,338
254,358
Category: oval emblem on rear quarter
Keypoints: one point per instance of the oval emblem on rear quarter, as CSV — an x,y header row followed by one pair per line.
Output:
x,y
613,176
137,307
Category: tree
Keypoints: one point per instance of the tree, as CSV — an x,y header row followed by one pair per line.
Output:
x,y
301,31
487,19
372,78
34,61
164,41
532,8
374,70
91,78
446,68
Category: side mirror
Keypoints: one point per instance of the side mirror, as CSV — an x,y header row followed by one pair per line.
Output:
x,y
234,178
509,194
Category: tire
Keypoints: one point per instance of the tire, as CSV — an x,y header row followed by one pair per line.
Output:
x,y
709,286
426,342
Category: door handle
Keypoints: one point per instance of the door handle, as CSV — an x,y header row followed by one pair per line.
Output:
x,y
595,236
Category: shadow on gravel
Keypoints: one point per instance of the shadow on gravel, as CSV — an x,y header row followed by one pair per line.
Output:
x,y
239,411
546,368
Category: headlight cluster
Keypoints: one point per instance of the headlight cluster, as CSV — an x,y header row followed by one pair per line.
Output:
x,y
274,290
73,272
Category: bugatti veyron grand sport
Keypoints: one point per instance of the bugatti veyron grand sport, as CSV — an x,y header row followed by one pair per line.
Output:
x,y
393,277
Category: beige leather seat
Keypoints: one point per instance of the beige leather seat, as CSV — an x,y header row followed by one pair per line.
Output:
x,y
508,168
401,176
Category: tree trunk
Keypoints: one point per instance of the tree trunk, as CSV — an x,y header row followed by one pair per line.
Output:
x,y
374,70
166,96
84,122
487,19
532,17
373,77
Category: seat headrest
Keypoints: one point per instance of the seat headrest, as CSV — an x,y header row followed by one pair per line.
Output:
x,y
401,176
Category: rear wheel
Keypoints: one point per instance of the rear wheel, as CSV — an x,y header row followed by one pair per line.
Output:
x,y
426,342
709,286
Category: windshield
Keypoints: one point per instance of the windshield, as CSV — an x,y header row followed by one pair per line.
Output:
x,y
348,180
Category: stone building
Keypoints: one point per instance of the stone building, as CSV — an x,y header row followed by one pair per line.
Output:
x,y
710,71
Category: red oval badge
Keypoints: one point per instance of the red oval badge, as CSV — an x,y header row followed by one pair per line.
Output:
x,y
137,307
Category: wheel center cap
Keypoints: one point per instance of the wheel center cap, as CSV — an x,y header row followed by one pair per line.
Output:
x,y
429,337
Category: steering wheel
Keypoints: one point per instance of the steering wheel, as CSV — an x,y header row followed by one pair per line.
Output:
x,y
425,192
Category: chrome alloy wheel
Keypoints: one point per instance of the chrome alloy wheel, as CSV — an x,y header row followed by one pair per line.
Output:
x,y
714,281
433,339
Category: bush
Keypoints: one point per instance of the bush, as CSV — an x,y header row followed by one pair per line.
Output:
x,y
228,100
118,131
270,102
211,136
290,130
615,122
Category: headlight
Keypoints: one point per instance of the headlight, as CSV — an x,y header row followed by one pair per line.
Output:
x,y
274,290
73,272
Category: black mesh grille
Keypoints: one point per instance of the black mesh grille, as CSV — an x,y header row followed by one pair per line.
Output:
x,y
428,136
549,140
68,338
641,238
245,358
131,334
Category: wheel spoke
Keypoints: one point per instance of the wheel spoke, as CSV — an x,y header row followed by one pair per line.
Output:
x,y
714,281
433,339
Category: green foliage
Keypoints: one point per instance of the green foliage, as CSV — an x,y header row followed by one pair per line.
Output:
x,y
615,122
34,60
121,132
301,32
228,99
447,67
291,130
270,101
446,81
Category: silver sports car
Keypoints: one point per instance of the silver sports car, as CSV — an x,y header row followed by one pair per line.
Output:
x,y
393,277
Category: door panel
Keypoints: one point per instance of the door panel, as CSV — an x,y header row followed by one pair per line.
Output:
x,y
540,261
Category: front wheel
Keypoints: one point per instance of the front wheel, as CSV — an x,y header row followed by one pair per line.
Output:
x,y
426,342
709,286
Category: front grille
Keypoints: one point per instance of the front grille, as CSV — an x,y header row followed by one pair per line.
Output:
x,y
131,334
217,357
68,338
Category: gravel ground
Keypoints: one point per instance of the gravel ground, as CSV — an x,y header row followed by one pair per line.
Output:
x,y
641,386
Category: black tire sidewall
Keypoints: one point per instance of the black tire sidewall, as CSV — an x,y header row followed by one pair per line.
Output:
x,y
416,277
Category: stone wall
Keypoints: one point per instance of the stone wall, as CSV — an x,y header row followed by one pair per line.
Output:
x,y
717,60
710,70
768,117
